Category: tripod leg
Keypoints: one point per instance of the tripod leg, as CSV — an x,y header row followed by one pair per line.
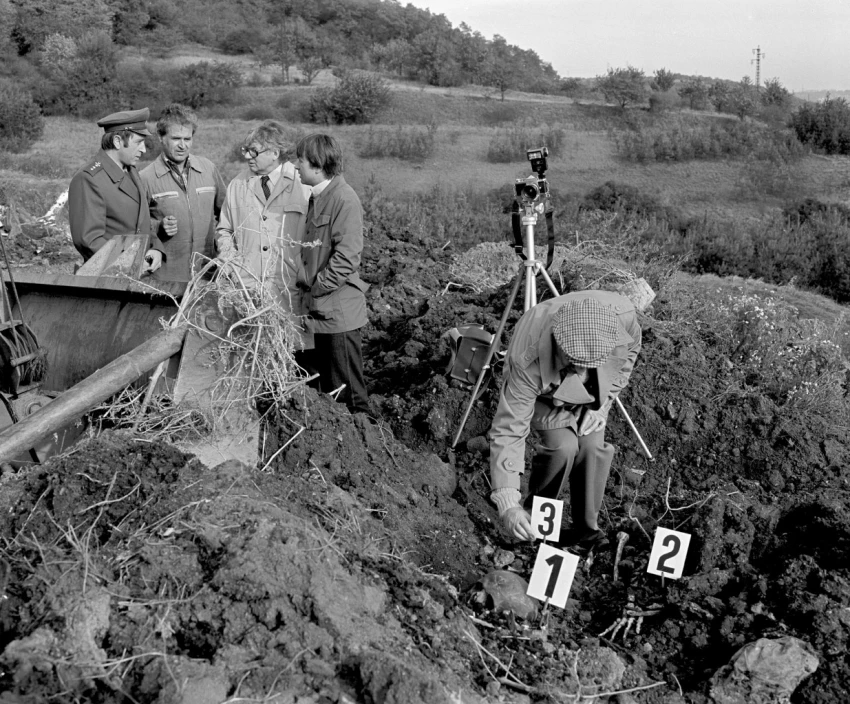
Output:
x,y
549,281
497,337
633,427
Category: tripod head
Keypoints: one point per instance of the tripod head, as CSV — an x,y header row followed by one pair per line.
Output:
x,y
532,192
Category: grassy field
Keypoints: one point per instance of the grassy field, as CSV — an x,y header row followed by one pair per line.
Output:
x,y
465,125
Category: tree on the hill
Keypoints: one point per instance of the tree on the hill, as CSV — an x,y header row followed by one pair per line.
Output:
x,y
774,93
35,20
741,99
395,56
434,57
719,95
472,53
824,125
663,80
623,86
7,23
500,70
695,91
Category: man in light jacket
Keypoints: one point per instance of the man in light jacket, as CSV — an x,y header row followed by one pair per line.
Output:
x,y
187,192
568,360
262,220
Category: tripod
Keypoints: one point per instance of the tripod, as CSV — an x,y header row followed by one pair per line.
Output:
x,y
527,273
531,266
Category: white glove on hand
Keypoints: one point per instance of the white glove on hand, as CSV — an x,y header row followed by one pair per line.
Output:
x,y
517,522
514,517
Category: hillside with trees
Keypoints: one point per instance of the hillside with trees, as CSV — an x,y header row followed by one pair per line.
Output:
x,y
405,41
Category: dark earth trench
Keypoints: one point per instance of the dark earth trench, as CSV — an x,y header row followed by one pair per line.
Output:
x,y
359,568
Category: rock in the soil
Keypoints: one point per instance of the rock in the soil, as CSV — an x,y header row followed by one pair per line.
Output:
x,y
479,444
766,671
507,592
389,680
600,666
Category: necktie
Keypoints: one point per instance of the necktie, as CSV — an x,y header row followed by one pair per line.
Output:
x,y
264,182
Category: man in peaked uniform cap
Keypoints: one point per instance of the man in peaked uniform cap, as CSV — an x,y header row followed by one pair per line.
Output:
x,y
568,360
106,197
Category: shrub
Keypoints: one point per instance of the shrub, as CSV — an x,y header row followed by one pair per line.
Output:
x,y
824,126
772,352
21,123
240,41
206,83
684,139
662,102
407,143
464,217
256,80
258,112
512,143
88,85
501,114
356,99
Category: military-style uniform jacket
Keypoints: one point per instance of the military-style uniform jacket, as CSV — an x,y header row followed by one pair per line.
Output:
x,y
534,393
196,208
104,200
330,271
267,235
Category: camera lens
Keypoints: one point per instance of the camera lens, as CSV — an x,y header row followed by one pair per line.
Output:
x,y
530,191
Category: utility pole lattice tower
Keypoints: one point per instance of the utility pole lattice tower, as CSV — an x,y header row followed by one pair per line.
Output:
x,y
757,61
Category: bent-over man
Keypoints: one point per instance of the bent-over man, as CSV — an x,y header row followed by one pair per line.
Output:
x,y
568,360
106,197
186,191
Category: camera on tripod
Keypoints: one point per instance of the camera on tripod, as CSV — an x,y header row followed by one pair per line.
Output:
x,y
530,189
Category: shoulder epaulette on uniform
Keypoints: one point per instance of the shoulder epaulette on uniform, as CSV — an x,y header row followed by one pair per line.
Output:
x,y
94,168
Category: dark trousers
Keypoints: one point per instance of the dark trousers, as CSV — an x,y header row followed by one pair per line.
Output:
x,y
585,461
338,359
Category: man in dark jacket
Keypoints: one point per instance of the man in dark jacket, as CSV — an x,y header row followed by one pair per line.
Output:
x,y
330,274
568,360
106,197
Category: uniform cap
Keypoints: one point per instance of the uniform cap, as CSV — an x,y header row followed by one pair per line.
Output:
x,y
127,121
586,331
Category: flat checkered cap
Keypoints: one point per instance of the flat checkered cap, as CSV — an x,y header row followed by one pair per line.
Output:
x,y
586,331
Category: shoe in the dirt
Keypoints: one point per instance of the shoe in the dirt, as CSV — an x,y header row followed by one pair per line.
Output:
x,y
584,540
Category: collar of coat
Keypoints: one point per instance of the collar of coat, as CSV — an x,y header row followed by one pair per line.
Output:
x,y
547,349
112,169
161,168
335,183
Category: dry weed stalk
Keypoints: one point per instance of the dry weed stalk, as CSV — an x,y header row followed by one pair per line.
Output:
x,y
252,356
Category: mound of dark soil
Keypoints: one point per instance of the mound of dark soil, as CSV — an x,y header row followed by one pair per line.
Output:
x,y
351,570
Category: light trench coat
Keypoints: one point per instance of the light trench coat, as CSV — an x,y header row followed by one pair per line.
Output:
x,y
267,235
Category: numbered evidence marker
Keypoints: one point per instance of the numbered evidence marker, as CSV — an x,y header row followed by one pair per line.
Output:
x,y
669,550
553,575
546,518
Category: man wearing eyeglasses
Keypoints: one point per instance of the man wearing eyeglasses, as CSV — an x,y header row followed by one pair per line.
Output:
x,y
262,219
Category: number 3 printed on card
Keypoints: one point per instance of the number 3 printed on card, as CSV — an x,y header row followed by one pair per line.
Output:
x,y
669,550
546,518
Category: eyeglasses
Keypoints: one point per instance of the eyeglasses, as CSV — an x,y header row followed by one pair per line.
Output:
x,y
252,153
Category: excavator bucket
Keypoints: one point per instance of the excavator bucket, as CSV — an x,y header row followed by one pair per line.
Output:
x,y
71,341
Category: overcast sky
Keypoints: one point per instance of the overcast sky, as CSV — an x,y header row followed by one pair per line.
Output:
x,y
806,43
